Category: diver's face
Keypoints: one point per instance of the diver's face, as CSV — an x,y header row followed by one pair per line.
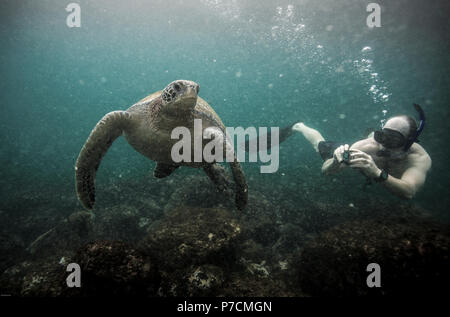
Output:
x,y
390,139
393,135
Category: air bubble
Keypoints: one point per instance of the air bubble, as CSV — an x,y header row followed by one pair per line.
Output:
x,y
339,69
290,9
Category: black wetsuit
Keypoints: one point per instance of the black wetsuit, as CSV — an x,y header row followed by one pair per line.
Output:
x,y
327,148
284,133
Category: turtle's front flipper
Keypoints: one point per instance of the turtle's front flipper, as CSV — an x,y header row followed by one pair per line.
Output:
x,y
162,170
218,175
109,128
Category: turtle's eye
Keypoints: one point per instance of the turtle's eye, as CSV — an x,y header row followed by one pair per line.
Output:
x,y
177,87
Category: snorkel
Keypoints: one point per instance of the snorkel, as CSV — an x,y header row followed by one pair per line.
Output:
x,y
419,129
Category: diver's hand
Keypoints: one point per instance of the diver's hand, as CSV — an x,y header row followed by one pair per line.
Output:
x,y
365,163
338,154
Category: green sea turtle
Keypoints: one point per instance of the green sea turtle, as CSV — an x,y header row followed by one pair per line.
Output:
x,y
147,126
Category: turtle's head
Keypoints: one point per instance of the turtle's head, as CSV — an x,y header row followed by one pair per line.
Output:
x,y
180,95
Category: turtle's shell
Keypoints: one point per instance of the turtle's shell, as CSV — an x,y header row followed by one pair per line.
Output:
x,y
150,130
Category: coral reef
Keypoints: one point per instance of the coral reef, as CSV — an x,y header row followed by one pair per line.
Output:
x,y
38,278
186,240
66,237
190,237
11,250
114,268
413,256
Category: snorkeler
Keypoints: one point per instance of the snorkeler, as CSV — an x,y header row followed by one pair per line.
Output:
x,y
390,156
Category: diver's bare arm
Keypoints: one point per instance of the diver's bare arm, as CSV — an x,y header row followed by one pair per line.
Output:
x,y
400,188
313,136
412,179
331,166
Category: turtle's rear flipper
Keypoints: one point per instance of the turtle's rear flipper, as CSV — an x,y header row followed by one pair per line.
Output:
x,y
109,128
218,175
162,170
241,189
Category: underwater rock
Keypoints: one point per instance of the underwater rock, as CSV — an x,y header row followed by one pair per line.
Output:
x,y
190,236
194,248
314,217
114,268
66,237
203,195
242,284
39,278
149,208
259,269
122,222
260,220
319,216
11,250
413,255
144,193
291,239
107,268
254,251
204,280
28,222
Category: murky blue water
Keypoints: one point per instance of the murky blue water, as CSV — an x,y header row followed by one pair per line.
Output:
x,y
258,64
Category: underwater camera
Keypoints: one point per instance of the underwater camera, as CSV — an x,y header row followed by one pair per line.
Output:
x,y
346,157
